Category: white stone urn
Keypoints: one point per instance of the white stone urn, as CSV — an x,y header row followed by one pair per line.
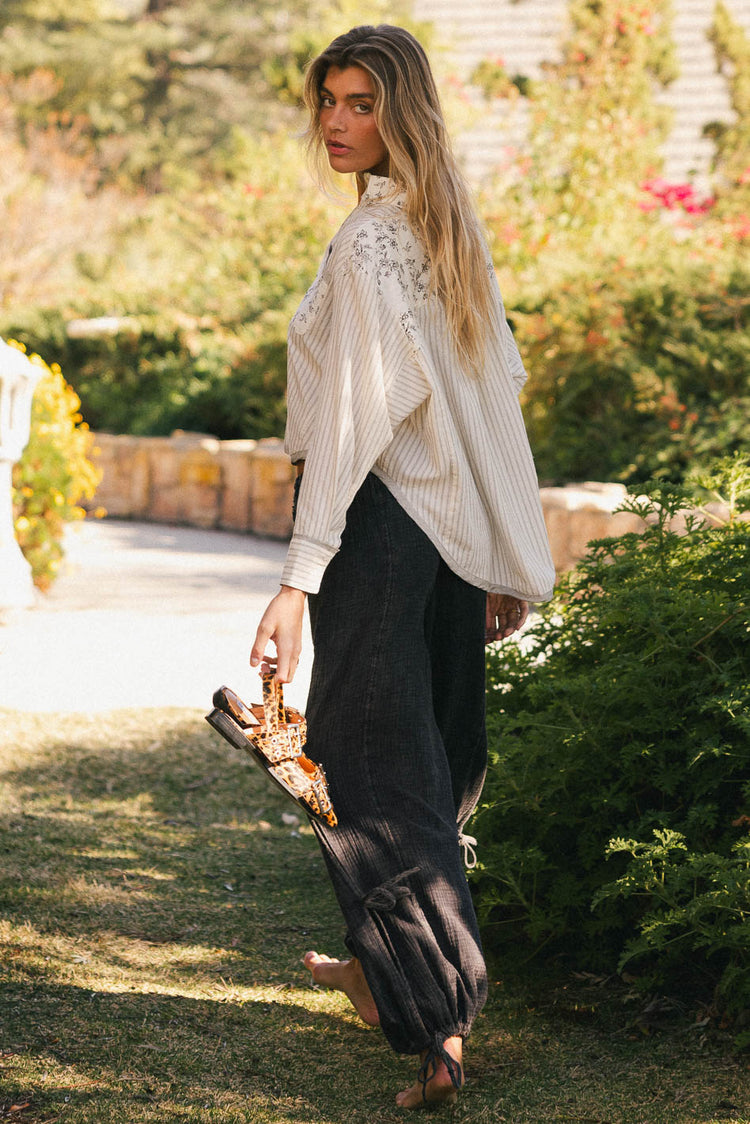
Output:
x,y
18,378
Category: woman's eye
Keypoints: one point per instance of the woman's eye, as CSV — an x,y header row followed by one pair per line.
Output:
x,y
362,108
326,103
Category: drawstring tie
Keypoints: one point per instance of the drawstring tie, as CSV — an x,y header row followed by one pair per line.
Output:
x,y
437,1052
468,842
384,898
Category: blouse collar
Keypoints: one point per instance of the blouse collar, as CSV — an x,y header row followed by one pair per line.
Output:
x,y
383,189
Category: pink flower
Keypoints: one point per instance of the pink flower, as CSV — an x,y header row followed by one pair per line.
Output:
x,y
698,207
673,196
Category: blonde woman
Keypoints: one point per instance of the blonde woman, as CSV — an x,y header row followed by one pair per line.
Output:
x,y
418,538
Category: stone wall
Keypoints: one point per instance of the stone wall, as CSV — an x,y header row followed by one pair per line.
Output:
x,y
247,486
196,480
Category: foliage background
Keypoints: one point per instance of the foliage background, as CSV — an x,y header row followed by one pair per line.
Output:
x,y
54,474
151,173
621,727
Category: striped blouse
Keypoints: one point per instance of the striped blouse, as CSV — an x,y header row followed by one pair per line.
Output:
x,y
374,386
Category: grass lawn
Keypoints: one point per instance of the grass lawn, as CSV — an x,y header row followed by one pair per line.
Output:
x,y
154,907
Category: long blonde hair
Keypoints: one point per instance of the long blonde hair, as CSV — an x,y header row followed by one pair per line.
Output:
x,y
409,118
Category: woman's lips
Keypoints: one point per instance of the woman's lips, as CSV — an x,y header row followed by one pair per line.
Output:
x,y
336,148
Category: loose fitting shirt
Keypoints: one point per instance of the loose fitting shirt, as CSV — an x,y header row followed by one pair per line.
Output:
x,y
374,385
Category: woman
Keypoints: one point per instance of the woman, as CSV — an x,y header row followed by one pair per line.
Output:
x,y
418,537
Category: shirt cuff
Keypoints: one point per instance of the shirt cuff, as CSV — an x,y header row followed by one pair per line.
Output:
x,y
306,562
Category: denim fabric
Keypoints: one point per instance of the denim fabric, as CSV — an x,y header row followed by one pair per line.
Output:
x,y
295,495
396,716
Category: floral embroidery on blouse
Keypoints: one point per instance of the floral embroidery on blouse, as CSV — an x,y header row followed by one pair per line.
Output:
x,y
313,299
312,302
383,247
387,249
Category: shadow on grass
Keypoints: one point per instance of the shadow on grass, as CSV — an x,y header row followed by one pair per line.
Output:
x,y
163,835
153,910
156,909
93,1055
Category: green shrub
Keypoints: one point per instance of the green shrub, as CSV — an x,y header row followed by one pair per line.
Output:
x,y
697,908
53,474
154,376
204,288
636,377
625,712
593,123
628,294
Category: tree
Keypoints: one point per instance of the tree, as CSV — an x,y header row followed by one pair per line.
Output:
x,y
156,91
594,125
55,216
732,162
159,88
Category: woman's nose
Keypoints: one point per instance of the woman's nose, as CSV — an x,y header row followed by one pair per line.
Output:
x,y
336,120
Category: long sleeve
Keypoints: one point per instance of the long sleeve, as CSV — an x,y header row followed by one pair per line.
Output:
x,y
370,380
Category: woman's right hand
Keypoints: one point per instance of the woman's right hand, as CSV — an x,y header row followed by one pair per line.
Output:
x,y
505,614
282,625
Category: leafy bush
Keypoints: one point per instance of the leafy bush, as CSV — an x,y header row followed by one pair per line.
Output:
x,y
628,293
53,474
636,377
732,49
154,375
204,306
623,713
697,906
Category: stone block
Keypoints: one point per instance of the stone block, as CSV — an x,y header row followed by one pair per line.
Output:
x,y
116,456
199,483
164,459
236,462
139,484
556,520
272,489
578,513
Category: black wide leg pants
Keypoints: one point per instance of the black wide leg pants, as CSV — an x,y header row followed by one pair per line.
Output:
x,y
396,716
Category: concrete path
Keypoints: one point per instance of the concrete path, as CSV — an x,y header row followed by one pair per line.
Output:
x,y
144,615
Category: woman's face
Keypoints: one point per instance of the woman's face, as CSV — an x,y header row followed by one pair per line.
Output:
x,y
351,136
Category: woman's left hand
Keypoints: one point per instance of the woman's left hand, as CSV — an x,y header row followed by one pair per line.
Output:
x,y
505,615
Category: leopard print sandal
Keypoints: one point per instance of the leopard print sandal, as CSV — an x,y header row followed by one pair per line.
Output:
x,y
273,735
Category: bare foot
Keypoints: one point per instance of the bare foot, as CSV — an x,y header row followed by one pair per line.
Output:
x,y
439,1088
346,976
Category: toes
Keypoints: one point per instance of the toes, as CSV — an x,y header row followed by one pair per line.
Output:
x,y
315,962
317,958
312,959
